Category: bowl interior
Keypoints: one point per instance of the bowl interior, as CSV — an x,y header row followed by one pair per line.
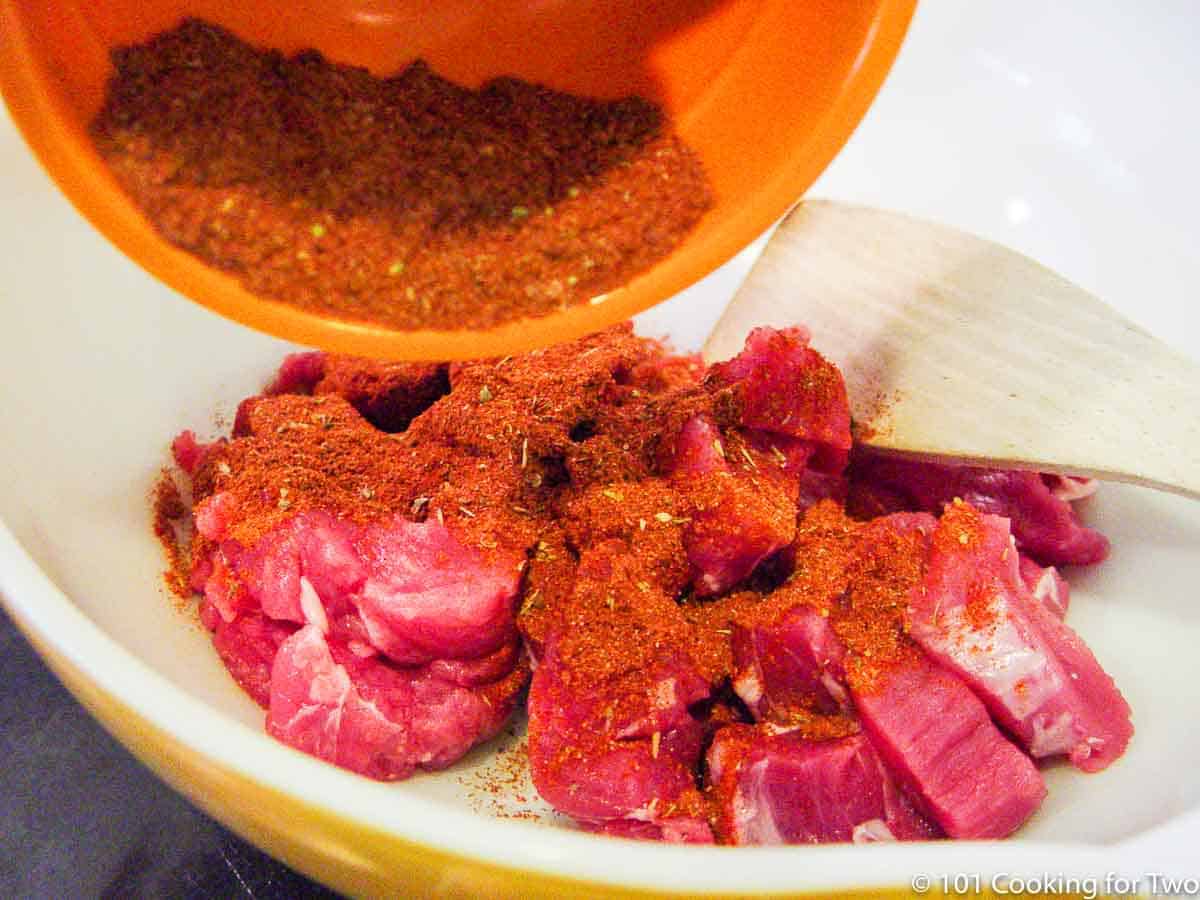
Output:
x,y
96,416
765,90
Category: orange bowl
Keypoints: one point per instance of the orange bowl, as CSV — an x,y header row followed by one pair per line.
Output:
x,y
766,91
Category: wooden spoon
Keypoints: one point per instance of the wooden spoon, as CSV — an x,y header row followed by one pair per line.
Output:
x,y
955,347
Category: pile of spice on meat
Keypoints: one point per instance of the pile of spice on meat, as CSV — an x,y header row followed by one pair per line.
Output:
x,y
406,201
733,625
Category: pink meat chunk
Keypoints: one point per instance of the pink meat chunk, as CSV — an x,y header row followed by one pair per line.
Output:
x,y
695,452
445,715
223,591
419,592
188,452
726,540
797,661
738,523
793,663
939,741
298,374
286,622
1046,585
783,386
388,395
315,708
374,718
1044,525
779,788
215,514
975,615
242,419
304,569
427,596
247,646
791,455
478,672
632,773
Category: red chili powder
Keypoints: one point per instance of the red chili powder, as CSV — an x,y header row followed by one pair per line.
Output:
x,y
405,201
169,510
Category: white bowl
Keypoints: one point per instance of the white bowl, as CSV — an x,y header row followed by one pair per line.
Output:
x,y
101,366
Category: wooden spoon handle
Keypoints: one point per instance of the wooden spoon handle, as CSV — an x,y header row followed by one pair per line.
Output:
x,y
953,346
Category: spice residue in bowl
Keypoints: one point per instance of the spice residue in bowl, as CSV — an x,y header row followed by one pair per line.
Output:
x,y
407,201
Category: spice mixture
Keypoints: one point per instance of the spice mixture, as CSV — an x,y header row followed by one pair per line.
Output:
x,y
405,201
382,550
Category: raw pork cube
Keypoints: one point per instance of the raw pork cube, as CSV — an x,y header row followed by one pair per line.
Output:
x,y
739,520
427,596
374,718
389,395
421,594
781,385
190,453
633,776
298,373
302,565
939,741
975,615
778,788
793,663
1043,523
698,450
738,523
247,646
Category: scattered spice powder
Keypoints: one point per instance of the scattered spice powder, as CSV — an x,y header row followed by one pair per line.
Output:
x,y
405,201
502,787
169,515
